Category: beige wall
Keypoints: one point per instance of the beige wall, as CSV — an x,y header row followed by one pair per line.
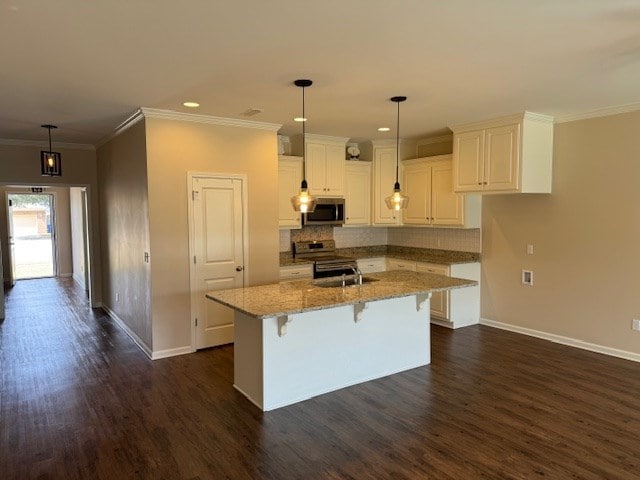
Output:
x,y
76,209
124,218
20,165
175,148
586,236
62,226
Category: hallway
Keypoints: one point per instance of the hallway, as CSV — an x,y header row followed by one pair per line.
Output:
x,y
79,400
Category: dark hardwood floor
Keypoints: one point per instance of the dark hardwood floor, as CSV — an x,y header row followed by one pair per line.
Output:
x,y
80,400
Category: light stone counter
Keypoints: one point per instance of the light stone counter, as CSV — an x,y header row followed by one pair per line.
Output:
x,y
300,296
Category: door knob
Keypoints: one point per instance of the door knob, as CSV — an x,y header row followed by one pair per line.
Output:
x,y
239,269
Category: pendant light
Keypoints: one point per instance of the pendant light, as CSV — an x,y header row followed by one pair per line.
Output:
x,y
397,201
303,202
50,161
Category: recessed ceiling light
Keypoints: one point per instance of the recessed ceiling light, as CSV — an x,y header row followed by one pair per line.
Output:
x,y
191,104
384,129
299,119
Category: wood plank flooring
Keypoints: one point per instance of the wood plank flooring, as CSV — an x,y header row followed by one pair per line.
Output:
x,y
79,400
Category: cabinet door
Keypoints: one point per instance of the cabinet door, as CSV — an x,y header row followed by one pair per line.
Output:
x,y
384,176
468,161
416,183
357,195
334,170
447,207
316,168
501,157
289,178
439,300
372,265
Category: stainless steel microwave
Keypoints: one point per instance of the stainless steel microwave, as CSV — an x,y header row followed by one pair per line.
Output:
x,y
328,211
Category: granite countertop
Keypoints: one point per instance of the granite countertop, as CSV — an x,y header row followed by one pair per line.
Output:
x,y
287,298
427,255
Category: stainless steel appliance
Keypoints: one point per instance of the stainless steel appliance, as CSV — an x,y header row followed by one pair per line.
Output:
x,y
328,211
325,261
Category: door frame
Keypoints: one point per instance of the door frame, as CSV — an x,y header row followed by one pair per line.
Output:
x,y
53,216
192,248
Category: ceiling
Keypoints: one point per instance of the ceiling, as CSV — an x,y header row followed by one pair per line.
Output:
x,y
87,66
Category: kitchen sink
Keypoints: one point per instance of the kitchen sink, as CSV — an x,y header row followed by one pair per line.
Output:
x,y
337,282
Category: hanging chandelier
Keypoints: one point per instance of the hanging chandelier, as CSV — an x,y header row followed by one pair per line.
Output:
x,y
397,201
50,161
303,202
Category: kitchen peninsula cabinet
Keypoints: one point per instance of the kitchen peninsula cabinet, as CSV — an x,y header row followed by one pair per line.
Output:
x,y
357,193
505,155
289,178
384,176
428,182
325,165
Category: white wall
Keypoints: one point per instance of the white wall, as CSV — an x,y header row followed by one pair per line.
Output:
x,y
77,235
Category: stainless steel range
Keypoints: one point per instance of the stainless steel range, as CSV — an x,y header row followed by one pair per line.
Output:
x,y
325,261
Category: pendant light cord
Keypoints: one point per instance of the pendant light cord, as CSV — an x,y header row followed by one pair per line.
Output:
x,y
49,128
397,142
304,146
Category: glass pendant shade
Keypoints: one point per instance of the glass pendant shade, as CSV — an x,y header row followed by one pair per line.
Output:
x,y
397,201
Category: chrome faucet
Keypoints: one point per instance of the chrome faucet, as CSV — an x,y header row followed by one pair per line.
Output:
x,y
358,274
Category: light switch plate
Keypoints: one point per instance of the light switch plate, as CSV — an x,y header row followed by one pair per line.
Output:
x,y
530,249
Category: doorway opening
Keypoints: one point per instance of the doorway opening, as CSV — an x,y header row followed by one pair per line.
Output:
x,y
32,236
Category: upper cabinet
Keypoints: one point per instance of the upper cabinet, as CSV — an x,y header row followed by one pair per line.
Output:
x,y
325,165
357,193
428,182
384,177
505,155
289,178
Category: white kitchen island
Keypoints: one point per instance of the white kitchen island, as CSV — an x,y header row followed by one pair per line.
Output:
x,y
296,340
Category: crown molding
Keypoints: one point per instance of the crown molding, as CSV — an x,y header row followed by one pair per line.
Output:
x,y
134,118
434,140
501,121
42,144
386,142
325,138
600,112
208,119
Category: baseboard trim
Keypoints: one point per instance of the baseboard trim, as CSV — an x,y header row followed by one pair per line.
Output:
x,y
571,342
65,275
137,340
172,352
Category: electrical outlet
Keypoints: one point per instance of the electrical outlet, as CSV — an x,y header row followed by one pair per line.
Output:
x,y
117,297
635,324
530,249
527,277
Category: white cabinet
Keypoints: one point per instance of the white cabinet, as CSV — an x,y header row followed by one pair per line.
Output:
x,y
506,155
357,193
384,177
428,182
397,264
289,178
372,265
325,165
296,272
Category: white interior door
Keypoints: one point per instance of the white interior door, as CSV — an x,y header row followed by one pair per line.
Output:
x,y
218,243
12,247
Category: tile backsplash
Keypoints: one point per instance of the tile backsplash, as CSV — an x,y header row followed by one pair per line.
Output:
x,y
462,240
458,239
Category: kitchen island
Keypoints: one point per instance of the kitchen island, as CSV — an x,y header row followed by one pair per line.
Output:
x,y
296,340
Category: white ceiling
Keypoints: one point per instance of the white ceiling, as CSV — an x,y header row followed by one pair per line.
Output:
x,y
86,66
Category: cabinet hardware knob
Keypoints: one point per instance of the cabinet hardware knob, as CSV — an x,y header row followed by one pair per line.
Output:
x,y
479,183
239,268
486,183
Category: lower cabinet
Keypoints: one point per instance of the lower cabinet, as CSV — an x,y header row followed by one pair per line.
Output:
x,y
296,272
456,308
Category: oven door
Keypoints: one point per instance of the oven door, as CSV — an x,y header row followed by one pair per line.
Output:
x,y
328,211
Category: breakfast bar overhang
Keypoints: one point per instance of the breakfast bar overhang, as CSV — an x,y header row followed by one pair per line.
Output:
x,y
296,340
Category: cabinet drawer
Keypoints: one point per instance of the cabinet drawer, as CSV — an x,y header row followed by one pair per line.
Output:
x,y
296,272
394,264
432,268
372,265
